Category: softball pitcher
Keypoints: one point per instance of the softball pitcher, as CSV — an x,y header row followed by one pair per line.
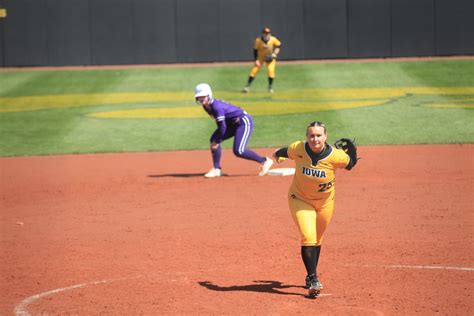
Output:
x,y
265,51
231,121
311,194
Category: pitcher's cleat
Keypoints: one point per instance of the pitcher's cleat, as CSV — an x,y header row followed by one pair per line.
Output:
x,y
315,288
270,90
213,173
245,89
266,166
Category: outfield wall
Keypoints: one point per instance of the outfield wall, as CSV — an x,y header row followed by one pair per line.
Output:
x,y
106,32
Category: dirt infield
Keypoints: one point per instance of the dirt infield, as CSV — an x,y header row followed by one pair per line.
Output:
x,y
145,233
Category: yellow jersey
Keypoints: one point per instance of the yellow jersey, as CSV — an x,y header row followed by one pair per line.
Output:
x,y
315,173
266,48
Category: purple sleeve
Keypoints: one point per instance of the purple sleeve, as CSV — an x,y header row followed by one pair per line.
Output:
x,y
221,126
222,111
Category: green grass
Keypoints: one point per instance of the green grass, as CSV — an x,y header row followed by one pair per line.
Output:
x,y
404,119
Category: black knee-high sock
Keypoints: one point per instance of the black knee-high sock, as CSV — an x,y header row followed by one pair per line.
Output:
x,y
318,251
249,81
308,254
270,82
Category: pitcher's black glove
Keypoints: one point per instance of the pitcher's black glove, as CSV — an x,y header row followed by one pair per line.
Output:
x,y
270,57
350,149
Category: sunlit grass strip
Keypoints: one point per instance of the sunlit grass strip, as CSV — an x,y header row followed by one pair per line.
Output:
x,y
452,105
32,103
257,109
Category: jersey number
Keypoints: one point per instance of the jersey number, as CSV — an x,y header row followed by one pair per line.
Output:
x,y
325,186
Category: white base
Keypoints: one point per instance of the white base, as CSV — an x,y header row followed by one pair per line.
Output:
x,y
281,172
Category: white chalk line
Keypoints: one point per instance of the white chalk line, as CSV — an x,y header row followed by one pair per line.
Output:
x,y
21,309
402,266
405,266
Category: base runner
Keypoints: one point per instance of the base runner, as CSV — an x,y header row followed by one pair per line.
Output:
x,y
231,122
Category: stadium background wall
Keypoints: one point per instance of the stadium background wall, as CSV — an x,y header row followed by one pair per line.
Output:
x,y
111,32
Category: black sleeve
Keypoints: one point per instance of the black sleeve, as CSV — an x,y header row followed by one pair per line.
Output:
x,y
255,54
282,152
350,164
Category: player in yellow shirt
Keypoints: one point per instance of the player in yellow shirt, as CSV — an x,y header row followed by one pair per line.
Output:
x,y
311,194
266,50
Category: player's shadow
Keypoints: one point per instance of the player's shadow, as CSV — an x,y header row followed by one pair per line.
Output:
x,y
273,287
176,175
192,175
